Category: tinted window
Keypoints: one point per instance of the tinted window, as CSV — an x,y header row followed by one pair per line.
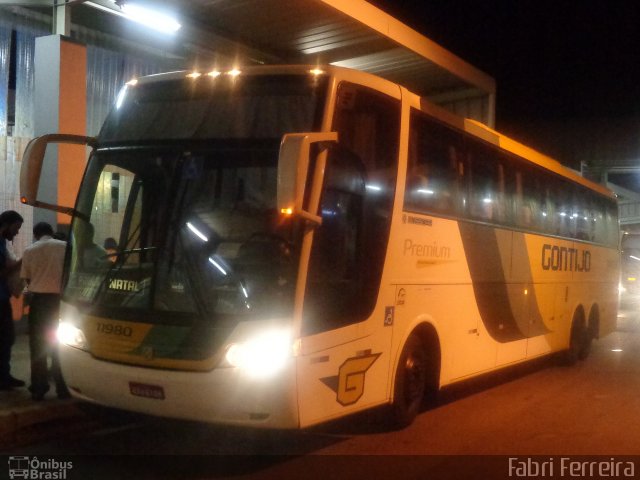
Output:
x,y
435,154
349,247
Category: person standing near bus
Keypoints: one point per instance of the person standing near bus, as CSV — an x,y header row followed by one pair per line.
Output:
x,y
10,223
42,265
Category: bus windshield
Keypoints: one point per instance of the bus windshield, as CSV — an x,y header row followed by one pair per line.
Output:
x,y
243,107
183,225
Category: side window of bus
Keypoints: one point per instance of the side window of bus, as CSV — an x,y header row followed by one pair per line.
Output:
x,y
433,165
611,208
564,209
584,216
349,247
487,187
332,295
530,200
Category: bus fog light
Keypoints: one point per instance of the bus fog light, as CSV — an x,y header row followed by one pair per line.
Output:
x,y
261,356
72,336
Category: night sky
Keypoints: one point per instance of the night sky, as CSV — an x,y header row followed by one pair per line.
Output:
x,y
552,60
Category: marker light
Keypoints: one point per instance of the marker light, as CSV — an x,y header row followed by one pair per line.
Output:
x,y
316,71
263,355
72,336
286,211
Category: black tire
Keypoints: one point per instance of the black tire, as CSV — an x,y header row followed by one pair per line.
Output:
x,y
585,347
411,382
579,343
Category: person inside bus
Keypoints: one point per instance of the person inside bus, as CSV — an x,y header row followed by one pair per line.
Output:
x,y
111,248
90,255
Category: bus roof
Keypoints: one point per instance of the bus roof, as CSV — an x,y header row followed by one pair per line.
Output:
x,y
532,155
348,33
471,126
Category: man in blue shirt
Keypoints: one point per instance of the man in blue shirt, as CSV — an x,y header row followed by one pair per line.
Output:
x,y
10,223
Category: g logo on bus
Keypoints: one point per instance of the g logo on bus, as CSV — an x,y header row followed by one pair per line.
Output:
x,y
147,352
349,384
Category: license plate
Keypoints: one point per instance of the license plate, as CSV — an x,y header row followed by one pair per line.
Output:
x,y
148,391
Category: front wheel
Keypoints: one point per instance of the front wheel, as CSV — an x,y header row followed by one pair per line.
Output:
x,y
410,384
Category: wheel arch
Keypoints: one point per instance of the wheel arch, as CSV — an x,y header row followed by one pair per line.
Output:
x,y
428,334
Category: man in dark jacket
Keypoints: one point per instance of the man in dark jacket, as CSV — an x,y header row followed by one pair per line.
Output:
x,y
10,223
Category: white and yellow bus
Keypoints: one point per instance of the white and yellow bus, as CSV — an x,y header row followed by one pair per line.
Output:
x,y
292,245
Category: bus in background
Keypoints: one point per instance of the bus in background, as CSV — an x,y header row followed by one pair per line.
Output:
x,y
296,244
630,270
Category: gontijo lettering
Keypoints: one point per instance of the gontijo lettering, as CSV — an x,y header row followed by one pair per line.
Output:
x,y
565,259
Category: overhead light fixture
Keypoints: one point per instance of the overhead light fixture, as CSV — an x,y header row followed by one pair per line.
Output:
x,y
145,16
150,18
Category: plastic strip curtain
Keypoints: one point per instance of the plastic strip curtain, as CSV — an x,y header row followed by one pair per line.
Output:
x,y
104,76
5,51
11,148
25,51
107,72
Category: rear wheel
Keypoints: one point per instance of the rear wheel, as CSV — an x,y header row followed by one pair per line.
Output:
x,y
585,347
591,333
579,344
410,384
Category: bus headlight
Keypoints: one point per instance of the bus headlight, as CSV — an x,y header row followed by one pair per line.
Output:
x,y
71,335
261,356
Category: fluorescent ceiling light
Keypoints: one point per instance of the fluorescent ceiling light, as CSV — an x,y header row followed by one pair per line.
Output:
x,y
151,18
145,16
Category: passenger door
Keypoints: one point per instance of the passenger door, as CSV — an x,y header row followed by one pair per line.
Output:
x,y
344,360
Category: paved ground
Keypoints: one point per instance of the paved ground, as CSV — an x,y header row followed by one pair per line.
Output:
x,y
537,421
21,419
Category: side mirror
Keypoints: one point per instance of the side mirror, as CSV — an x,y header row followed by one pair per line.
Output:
x,y
32,167
293,169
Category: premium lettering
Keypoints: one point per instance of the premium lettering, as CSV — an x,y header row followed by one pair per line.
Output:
x,y
426,250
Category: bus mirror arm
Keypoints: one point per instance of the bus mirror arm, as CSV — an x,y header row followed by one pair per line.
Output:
x,y
31,168
293,169
57,208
